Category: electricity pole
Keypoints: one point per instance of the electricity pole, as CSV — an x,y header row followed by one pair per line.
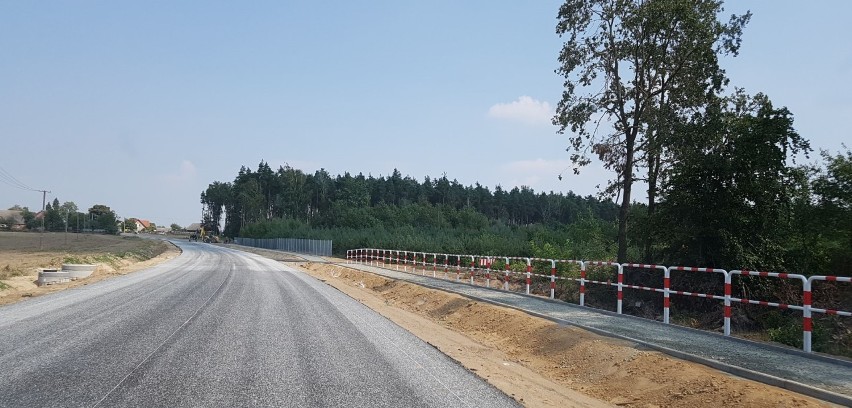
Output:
x,y
43,216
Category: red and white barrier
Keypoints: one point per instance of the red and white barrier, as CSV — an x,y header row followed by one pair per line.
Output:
x,y
388,258
620,296
726,298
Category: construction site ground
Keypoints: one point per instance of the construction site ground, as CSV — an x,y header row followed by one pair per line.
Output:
x,y
22,254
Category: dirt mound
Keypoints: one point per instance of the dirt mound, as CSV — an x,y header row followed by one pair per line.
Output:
x,y
561,365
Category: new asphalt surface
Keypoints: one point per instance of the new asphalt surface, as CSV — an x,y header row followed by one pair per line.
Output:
x,y
219,327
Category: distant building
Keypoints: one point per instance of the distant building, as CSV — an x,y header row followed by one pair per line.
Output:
x,y
12,220
142,225
194,227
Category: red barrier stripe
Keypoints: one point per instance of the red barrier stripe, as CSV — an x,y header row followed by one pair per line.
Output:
x,y
807,324
728,312
831,278
666,302
807,298
782,275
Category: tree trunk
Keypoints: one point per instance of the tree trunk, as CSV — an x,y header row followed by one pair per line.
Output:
x,y
653,177
627,177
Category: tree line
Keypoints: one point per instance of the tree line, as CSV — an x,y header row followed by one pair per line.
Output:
x,y
434,214
67,217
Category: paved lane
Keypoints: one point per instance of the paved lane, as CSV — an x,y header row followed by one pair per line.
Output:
x,y
216,327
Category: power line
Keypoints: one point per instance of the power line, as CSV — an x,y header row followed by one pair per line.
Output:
x,y
8,179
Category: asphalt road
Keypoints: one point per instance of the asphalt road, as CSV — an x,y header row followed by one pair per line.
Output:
x,y
217,327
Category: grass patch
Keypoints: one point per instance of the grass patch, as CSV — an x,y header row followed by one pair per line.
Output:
x,y
4,286
144,250
9,271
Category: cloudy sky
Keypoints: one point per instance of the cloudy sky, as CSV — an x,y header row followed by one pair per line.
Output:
x,y
140,105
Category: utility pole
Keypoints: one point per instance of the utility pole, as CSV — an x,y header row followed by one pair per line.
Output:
x,y
43,216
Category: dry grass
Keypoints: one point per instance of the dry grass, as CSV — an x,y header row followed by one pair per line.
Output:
x,y
23,253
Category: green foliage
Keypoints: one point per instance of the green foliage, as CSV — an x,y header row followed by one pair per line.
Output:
x,y
728,200
587,239
29,219
103,218
360,202
636,65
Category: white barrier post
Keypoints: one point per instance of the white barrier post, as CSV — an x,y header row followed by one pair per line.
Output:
x,y
808,309
471,269
807,320
582,283
506,277
552,278
667,279
620,288
434,265
529,274
446,266
458,268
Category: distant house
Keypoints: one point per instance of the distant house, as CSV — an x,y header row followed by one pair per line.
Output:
x,y
194,227
12,220
142,225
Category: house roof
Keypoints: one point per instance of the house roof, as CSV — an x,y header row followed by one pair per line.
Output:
x,y
194,226
15,216
145,223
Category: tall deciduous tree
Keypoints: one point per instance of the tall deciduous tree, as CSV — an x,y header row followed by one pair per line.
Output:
x,y
728,201
628,66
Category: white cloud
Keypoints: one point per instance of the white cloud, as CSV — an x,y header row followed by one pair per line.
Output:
x,y
186,172
525,109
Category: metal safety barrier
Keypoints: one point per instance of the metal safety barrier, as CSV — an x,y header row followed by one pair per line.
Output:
x,y
482,271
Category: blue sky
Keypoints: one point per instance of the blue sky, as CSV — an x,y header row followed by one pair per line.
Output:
x,y
140,105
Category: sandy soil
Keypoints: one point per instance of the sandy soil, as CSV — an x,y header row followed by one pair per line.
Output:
x,y
544,364
22,254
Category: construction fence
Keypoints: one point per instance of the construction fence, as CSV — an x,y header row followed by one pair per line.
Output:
x,y
318,247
